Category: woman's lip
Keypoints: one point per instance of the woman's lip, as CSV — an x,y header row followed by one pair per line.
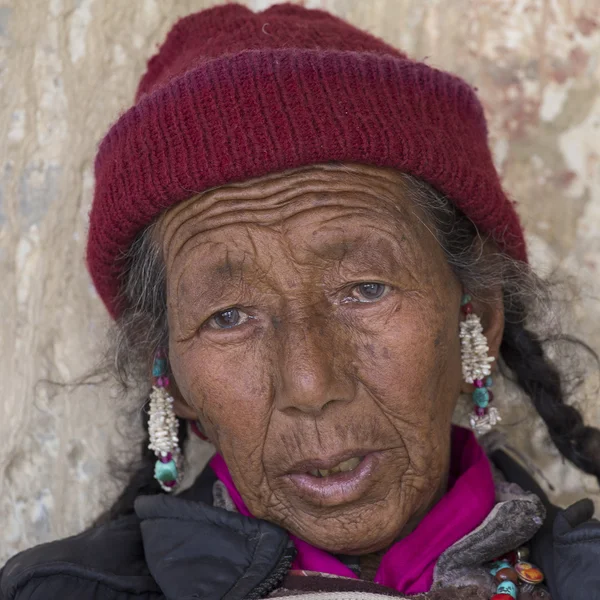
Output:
x,y
340,488
305,466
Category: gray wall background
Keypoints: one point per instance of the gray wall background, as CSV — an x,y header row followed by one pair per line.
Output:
x,y
67,69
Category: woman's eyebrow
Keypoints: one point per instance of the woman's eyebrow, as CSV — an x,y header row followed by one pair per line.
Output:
x,y
205,281
365,251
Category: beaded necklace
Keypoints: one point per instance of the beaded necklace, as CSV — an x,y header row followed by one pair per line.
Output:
x,y
518,579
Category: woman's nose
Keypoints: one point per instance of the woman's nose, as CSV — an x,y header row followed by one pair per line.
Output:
x,y
311,365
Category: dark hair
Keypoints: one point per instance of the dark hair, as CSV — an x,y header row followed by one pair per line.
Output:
x,y
142,328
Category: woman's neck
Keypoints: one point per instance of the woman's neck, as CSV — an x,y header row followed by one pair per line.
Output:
x,y
369,563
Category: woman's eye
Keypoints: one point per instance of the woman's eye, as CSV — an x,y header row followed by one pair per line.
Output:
x,y
368,292
226,319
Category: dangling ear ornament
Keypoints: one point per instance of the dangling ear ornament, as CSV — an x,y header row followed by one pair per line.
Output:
x,y
162,427
476,369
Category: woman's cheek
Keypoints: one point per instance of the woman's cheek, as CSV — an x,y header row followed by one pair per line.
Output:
x,y
232,391
413,374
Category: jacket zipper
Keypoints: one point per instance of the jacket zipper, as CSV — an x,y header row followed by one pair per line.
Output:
x,y
275,577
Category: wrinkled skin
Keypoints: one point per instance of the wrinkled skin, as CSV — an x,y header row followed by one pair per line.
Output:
x,y
309,366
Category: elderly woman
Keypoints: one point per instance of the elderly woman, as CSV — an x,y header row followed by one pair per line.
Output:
x,y
309,257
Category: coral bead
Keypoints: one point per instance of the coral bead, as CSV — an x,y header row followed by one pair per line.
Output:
x,y
499,564
507,575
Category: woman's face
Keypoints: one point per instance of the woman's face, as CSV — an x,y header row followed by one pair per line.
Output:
x,y
314,327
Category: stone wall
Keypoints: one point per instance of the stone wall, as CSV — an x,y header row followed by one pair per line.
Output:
x,y
68,67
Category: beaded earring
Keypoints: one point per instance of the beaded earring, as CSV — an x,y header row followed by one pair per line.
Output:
x,y
476,368
162,427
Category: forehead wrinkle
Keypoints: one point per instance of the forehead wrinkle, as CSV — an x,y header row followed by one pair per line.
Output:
x,y
186,230
187,244
314,192
332,233
278,189
274,191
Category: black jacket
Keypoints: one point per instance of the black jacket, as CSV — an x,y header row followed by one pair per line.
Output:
x,y
183,548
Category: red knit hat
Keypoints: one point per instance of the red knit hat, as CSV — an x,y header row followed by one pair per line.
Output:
x,y
233,95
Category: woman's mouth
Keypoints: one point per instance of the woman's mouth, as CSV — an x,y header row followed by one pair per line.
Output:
x,y
333,482
342,467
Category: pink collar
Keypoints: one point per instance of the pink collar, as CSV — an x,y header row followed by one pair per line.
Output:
x,y
408,565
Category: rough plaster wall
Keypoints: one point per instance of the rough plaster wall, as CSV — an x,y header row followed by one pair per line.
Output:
x,y
69,67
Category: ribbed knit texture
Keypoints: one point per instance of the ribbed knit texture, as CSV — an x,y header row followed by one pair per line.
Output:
x,y
233,95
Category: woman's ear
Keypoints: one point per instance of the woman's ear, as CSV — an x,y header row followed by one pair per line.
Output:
x,y
182,409
491,313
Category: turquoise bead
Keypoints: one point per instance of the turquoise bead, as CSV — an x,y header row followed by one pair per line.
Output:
x,y
507,587
465,299
488,381
159,367
498,566
165,471
481,397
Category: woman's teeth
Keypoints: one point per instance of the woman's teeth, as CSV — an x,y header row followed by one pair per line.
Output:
x,y
343,467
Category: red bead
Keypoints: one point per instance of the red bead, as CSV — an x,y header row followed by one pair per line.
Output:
x,y
478,383
502,597
510,557
480,411
467,308
170,484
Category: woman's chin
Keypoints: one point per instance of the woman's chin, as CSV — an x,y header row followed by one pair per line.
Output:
x,y
348,535
355,545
